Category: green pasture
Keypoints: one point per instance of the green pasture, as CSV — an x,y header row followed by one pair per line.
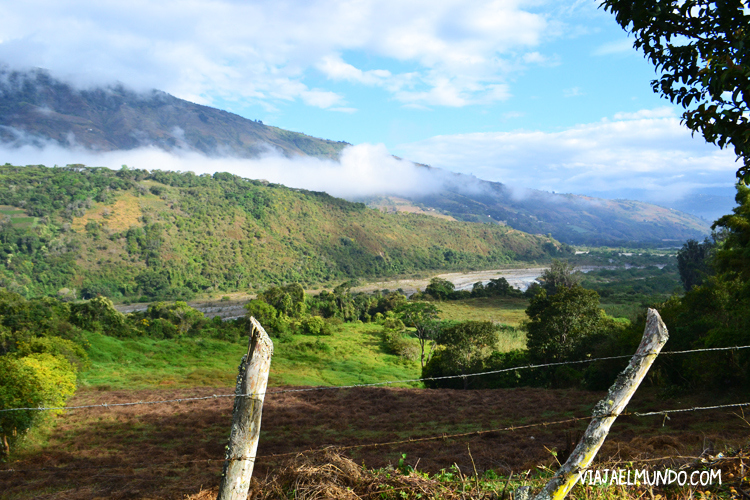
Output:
x,y
354,354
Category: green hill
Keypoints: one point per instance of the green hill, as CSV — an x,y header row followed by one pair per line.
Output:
x,y
157,234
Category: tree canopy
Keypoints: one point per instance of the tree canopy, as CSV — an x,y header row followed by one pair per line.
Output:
x,y
701,49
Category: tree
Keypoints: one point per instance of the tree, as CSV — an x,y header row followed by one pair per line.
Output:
x,y
733,255
693,262
701,49
465,348
422,316
559,275
288,299
440,288
560,321
40,379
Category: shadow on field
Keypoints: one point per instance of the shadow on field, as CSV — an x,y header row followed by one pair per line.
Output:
x,y
173,450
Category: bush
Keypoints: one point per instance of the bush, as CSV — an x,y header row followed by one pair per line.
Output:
x,y
314,325
40,379
100,315
160,328
317,346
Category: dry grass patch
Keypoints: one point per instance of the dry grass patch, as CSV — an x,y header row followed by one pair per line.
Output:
x,y
120,216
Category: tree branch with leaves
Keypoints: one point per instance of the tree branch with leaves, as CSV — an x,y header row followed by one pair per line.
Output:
x,y
700,47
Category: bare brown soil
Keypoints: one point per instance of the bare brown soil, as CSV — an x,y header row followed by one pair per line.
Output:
x,y
173,450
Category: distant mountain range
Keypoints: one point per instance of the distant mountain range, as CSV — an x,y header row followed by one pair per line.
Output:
x,y
35,108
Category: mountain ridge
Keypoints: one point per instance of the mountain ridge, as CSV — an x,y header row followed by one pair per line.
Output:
x,y
37,109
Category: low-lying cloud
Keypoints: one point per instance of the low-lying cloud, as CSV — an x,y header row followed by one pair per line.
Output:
x,y
649,150
363,170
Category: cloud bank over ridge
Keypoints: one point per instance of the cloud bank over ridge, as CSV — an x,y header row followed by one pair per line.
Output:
x,y
363,170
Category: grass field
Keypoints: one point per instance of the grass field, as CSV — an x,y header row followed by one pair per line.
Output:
x,y
18,217
353,355
499,310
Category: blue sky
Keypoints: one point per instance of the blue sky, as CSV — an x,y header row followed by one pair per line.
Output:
x,y
538,94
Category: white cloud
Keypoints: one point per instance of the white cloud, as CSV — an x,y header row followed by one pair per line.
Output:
x,y
336,69
648,149
573,92
363,170
617,47
264,51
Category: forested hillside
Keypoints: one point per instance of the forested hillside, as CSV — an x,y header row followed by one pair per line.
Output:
x,y
134,233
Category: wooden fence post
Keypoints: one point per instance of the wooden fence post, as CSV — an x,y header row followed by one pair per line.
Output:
x,y
607,410
252,381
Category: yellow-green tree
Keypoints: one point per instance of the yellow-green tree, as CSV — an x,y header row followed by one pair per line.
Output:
x,y
33,381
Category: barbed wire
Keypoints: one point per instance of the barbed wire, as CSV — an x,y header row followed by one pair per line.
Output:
x,y
410,440
373,384
696,408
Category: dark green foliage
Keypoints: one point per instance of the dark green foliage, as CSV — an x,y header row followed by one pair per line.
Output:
x,y
288,300
465,348
693,262
440,289
423,317
395,339
496,287
700,47
559,275
733,254
99,314
717,312
182,316
561,321
314,325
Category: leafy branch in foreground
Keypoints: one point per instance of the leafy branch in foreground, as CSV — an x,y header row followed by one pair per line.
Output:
x,y
701,49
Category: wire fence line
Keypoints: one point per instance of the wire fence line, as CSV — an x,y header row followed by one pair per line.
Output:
x,y
374,384
410,440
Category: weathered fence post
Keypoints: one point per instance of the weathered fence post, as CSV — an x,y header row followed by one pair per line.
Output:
x,y
608,409
248,407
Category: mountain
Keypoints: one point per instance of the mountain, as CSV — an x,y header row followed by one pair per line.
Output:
x,y
569,218
133,233
37,109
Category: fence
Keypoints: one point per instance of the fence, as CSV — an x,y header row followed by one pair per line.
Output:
x,y
390,443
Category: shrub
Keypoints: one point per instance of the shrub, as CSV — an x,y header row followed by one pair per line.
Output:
x,y
314,325
40,379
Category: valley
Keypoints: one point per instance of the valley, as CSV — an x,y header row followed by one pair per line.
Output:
x,y
451,334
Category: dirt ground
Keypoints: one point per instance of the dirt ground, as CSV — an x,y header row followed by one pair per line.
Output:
x,y
169,451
